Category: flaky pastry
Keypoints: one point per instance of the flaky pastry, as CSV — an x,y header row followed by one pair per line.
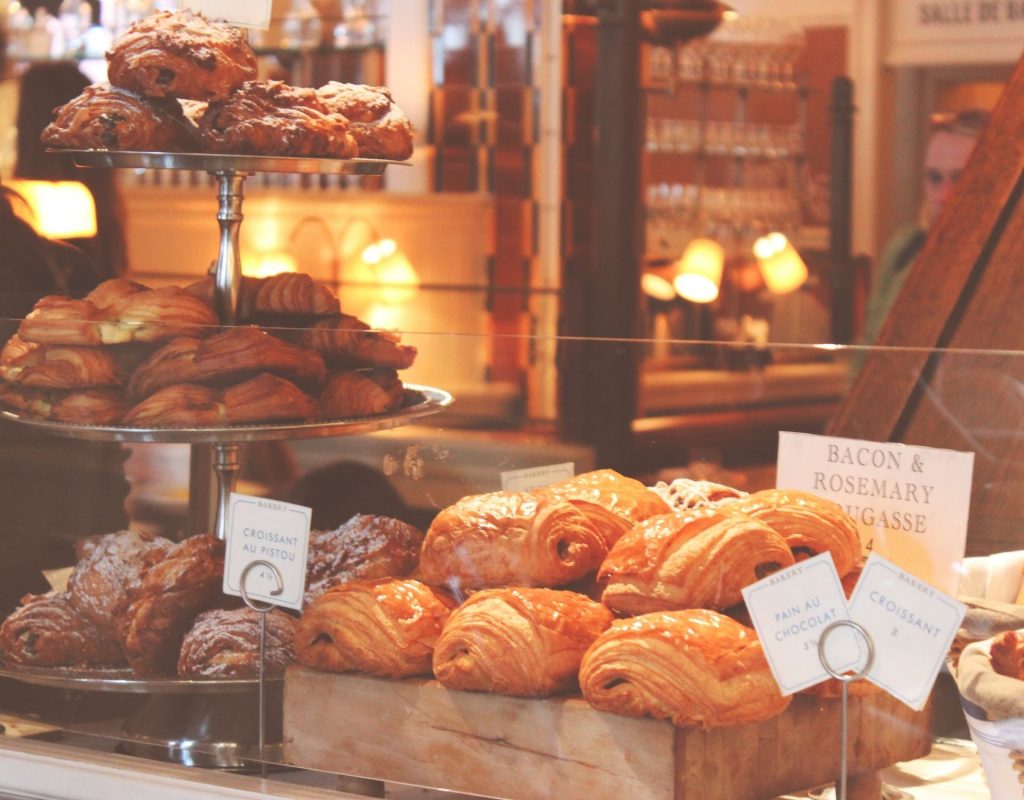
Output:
x,y
360,393
345,341
103,406
59,366
48,632
225,643
518,641
378,125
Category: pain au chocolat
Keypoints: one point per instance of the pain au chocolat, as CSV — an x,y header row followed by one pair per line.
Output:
x,y
689,559
225,643
695,668
382,626
809,524
181,54
518,641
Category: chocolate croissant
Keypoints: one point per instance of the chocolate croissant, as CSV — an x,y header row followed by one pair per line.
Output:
x,y
361,393
226,644
271,118
514,539
167,601
48,632
59,366
693,667
522,642
112,568
225,357
690,559
385,627
809,524
378,125
105,117
366,546
345,341
181,55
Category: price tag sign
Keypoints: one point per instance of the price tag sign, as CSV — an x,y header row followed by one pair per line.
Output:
x,y
911,624
523,480
790,609
248,14
910,503
267,530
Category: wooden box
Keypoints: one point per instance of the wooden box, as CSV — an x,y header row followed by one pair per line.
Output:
x,y
416,731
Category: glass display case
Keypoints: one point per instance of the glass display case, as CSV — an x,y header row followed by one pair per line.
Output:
x,y
377,736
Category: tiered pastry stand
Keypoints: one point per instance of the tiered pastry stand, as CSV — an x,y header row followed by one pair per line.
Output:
x,y
211,722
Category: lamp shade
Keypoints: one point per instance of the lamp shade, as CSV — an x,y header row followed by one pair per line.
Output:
x,y
391,270
60,209
657,287
781,266
700,271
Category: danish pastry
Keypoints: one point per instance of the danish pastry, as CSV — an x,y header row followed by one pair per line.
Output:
x,y
112,568
693,667
181,55
809,524
345,341
367,546
361,393
384,627
694,559
514,539
522,642
48,632
380,128
104,117
167,601
271,118
226,644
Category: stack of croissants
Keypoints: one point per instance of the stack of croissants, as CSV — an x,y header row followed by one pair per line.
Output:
x,y
629,594
126,354
179,82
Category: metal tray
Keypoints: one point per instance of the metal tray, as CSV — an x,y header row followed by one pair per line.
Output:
x,y
420,401
217,162
125,681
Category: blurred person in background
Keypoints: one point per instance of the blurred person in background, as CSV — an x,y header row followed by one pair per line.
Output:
x,y
951,140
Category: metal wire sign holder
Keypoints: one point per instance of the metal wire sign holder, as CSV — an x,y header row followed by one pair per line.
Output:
x,y
845,678
263,608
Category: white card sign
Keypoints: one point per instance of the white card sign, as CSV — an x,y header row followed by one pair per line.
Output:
x,y
910,503
790,609
911,625
523,480
273,531
247,13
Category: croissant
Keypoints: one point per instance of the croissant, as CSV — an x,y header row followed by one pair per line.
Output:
x,y
385,627
231,355
226,644
60,320
48,632
379,127
617,502
181,55
265,398
522,642
694,667
809,524
345,341
103,406
290,297
513,539
105,117
114,290
362,393
167,601
57,366
690,559
274,119
367,546
111,569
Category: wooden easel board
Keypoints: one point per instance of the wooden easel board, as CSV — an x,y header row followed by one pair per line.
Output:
x,y
964,293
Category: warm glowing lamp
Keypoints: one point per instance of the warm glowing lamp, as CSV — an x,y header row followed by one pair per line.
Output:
x,y
391,269
781,266
657,287
700,271
58,209
273,262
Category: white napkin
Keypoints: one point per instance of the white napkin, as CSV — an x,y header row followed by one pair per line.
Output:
x,y
995,577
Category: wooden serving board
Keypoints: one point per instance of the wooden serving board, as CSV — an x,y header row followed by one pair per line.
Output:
x,y
417,731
